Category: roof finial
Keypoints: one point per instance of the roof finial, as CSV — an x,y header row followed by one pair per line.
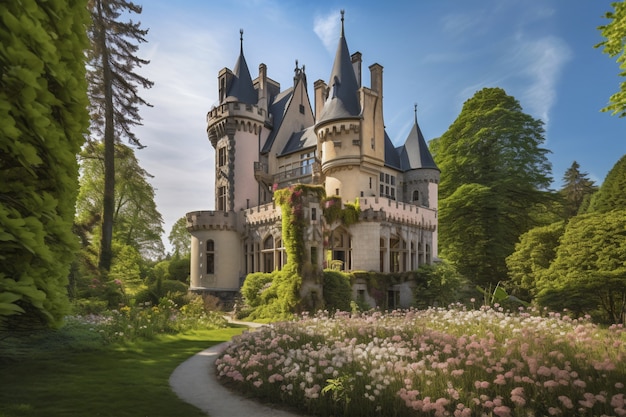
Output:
x,y
415,110
342,13
241,40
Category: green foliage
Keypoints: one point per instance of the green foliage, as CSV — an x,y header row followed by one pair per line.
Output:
x,y
180,239
611,194
137,220
614,45
42,122
494,176
334,212
588,275
254,287
337,291
439,284
533,255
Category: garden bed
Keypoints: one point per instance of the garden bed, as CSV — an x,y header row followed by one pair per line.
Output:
x,y
454,361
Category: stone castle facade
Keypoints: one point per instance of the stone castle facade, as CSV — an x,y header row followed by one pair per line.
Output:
x,y
267,139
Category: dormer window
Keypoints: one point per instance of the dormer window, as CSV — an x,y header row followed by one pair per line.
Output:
x,y
336,84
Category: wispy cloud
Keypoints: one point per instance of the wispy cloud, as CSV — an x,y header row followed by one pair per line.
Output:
x,y
327,28
539,63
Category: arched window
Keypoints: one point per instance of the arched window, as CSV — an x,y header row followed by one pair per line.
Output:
x,y
210,257
416,196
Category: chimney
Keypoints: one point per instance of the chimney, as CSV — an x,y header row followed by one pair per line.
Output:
x,y
376,83
320,96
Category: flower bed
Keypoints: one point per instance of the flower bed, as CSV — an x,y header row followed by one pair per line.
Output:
x,y
441,362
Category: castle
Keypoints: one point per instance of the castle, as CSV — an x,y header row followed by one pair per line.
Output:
x,y
267,139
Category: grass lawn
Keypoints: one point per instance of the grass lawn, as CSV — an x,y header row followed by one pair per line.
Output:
x,y
60,374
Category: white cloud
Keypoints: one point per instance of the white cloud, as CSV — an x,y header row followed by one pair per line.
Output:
x,y
539,62
327,28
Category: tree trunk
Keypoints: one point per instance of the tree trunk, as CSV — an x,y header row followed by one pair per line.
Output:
x,y
108,206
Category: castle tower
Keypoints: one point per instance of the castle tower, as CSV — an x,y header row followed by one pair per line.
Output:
x,y
349,126
236,129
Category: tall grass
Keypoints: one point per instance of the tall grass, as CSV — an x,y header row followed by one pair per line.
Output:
x,y
439,362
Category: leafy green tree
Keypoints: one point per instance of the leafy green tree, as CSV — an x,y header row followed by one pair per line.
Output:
x,y
588,275
577,187
533,255
180,239
495,175
114,95
43,120
611,194
615,46
438,284
137,221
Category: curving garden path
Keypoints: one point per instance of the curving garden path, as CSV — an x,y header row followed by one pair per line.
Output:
x,y
195,382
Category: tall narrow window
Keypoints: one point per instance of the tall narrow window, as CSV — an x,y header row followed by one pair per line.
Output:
x,y
221,156
210,257
221,198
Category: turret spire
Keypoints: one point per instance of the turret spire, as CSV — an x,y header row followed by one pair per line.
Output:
x,y
342,13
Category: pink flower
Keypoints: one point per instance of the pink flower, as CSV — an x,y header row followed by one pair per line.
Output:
x,y
502,411
567,403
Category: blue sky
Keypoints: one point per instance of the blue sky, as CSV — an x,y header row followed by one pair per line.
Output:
x,y
436,53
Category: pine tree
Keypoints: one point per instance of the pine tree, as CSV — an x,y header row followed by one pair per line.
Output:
x,y
114,95
576,188
43,119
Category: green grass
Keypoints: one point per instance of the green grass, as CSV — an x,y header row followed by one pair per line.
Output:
x,y
69,373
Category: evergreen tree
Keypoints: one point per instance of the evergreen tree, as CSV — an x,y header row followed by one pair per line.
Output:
x,y
114,94
576,188
615,46
43,120
611,194
494,176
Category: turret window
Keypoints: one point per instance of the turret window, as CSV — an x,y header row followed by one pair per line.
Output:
x,y
221,156
210,257
221,198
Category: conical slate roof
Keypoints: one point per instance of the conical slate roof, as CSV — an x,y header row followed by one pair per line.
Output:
x,y
343,99
241,86
414,154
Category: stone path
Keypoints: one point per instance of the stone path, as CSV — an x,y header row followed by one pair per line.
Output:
x,y
195,382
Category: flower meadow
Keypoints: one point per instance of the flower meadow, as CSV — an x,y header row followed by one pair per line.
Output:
x,y
145,321
437,362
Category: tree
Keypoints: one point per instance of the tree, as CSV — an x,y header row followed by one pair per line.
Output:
x,y
180,239
588,275
43,120
113,92
138,223
576,189
495,175
611,194
615,46
533,255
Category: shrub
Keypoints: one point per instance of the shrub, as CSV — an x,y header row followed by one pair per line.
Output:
x,y
337,290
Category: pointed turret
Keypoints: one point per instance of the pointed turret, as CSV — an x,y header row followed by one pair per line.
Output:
x,y
241,87
343,98
416,149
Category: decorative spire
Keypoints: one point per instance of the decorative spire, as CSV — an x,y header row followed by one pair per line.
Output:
x,y
342,13
241,41
415,112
